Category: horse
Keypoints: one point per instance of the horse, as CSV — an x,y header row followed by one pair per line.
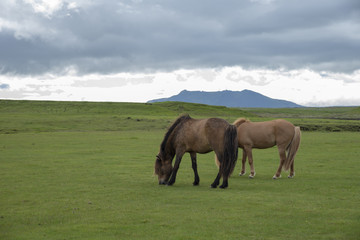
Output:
x,y
267,134
197,136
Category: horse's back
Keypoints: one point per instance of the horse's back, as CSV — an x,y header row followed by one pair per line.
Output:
x,y
202,135
265,134
196,136
256,134
285,131
281,123
214,129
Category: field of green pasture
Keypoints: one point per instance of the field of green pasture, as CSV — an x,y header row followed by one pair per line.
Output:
x,y
29,116
85,171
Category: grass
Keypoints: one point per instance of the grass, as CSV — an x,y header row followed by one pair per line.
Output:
x,y
347,113
93,179
331,119
39,116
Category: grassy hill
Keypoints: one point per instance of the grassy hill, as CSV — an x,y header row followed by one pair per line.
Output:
x,y
339,113
27,116
331,119
46,116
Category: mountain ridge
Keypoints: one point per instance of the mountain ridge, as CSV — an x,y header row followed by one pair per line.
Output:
x,y
227,98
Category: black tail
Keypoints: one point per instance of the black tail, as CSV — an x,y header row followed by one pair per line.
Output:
x,y
230,153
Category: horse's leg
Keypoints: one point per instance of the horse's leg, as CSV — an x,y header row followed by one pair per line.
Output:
x,y
216,181
218,176
251,162
243,161
175,169
282,154
225,183
194,167
292,172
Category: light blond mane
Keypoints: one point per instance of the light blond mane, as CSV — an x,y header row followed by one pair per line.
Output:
x,y
240,121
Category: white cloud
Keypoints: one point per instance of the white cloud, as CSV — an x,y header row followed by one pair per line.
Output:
x,y
302,86
45,7
72,5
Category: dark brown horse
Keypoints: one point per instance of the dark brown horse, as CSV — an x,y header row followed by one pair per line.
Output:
x,y
197,136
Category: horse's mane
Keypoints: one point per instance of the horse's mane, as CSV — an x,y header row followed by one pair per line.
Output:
x,y
240,121
177,122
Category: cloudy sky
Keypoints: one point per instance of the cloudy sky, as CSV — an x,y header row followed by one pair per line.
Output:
x,y
304,51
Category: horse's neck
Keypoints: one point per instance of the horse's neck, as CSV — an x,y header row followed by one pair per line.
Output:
x,y
169,151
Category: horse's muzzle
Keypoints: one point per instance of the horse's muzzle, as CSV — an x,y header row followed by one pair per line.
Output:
x,y
162,182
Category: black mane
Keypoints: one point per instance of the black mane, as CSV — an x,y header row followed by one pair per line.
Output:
x,y
178,122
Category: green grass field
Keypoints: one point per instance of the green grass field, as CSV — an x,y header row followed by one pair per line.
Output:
x,y
85,171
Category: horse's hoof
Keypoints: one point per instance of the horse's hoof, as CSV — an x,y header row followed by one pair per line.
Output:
x,y
224,185
242,174
195,184
291,175
213,186
251,176
275,177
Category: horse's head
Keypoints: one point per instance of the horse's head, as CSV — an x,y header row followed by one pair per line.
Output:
x,y
163,168
240,121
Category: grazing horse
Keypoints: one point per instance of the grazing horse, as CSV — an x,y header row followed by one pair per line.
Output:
x,y
267,134
197,136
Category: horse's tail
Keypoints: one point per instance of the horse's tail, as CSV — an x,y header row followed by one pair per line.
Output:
x,y
230,154
292,149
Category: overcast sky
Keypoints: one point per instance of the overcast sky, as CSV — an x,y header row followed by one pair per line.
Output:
x,y
304,51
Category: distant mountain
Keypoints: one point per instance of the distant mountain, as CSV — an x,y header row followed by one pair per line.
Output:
x,y
243,99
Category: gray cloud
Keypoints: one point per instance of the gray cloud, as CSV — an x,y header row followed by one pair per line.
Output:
x,y
142,36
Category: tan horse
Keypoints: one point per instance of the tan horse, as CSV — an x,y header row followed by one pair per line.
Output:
x,y
197,136
267,134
